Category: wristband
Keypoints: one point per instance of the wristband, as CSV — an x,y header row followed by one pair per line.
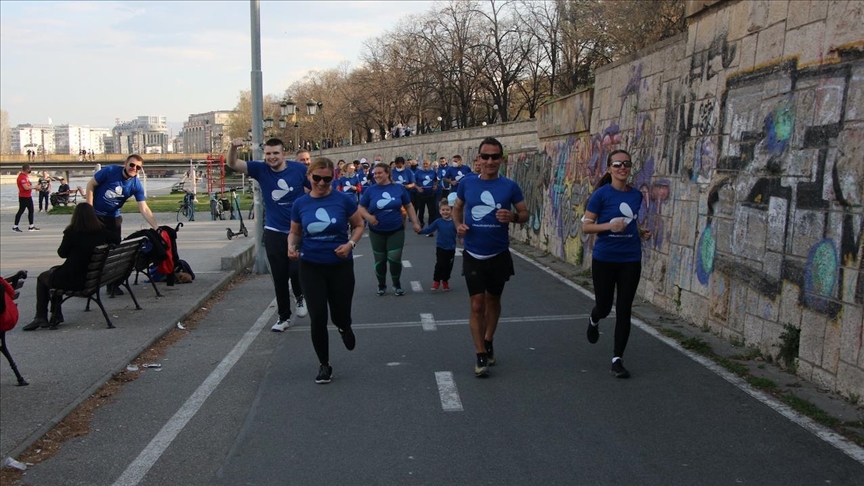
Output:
x,y
353,245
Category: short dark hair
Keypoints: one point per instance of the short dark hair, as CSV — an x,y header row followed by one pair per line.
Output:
x,y
400,159
274,142
491,141
136,158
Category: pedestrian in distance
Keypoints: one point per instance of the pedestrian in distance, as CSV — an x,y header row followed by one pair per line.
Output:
x,y
427,192
381,206
445,246
349,182
616,263
282,183
44,184
456,172
485,206
84,233
322,241
25,199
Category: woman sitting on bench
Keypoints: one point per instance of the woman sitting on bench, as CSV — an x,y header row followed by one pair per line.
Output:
x,y
83,234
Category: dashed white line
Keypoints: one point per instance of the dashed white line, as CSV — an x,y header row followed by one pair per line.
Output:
x,y
416,287
450,401
406,263
428,322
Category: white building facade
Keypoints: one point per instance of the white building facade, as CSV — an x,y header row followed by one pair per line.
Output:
x,y
143,135
206,132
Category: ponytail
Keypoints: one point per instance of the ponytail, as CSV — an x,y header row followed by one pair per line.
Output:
x,y
606,179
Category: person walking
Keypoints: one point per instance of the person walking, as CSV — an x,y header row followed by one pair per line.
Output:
x,y
84,233
282,183
486,261
25,199
617,256
381,206
322,242
445,246
108,190
427,192
44,191
456,172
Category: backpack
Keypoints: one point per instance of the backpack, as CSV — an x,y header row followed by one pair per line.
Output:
x,y
9,316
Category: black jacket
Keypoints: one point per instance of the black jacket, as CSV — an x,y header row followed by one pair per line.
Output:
x,y
76,248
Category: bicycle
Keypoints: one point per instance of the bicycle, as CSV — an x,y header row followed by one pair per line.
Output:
x,y
217,206
187,207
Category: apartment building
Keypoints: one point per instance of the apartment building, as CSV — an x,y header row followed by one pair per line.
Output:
x,y
143,135
38,138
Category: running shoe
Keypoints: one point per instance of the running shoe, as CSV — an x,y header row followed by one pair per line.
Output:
x,y
490,352
16,229
430,235
435,285
281,325
593,331
36,324
33,228
301,307
619,370
348,338
382,290
481,369
325,374
398,291
445,285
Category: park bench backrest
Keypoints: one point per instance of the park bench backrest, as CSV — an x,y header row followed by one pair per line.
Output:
x,y
110,264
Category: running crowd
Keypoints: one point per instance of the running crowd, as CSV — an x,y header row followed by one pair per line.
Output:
x,y
316,212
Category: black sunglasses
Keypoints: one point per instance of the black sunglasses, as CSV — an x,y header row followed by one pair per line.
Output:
x,y
491,156
318,178
136,166
622,163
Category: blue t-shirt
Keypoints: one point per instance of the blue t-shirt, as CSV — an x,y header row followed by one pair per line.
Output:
x,y
441,172
609,203
457,173
446,237
279,190
325,225
365,176
487,236
404,176
350,185
113,191
425,179
385,203
469,176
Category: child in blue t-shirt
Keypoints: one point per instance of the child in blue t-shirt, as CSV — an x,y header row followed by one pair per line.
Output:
x,y
445,246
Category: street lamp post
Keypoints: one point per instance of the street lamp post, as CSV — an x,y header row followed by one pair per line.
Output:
x,y
288,108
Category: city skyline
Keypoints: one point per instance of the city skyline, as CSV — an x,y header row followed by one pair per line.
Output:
x,y
120,60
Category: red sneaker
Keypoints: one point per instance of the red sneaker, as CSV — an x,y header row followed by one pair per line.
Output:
x,y
435,285
445,285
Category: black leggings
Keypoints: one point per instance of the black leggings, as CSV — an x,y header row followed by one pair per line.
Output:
x,y
24,203
283,270
607,276
388,248
327,285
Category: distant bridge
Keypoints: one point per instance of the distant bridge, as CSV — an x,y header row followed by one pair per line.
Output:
x,y
154,163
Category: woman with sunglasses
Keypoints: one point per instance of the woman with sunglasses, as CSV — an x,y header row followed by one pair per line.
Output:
x,y
617,257
109,189
319,225
381,205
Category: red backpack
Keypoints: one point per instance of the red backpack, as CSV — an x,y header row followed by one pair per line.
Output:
x,y
9,317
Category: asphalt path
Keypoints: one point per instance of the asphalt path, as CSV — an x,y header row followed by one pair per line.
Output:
x,y
235,403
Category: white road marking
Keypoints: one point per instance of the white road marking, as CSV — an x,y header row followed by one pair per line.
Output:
x,y
459,252
406,263
428,322
850,449
416,287
450,401
139,468
567,319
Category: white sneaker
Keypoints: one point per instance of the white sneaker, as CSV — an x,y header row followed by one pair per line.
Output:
x,y
301,307
281,325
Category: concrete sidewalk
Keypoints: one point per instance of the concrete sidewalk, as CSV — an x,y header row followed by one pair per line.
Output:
x,y
64,367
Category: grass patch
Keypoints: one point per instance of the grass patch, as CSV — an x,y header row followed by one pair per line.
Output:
x,y
168,203
698,345
762,383
672,333
733,366
806,407
752,353
790,340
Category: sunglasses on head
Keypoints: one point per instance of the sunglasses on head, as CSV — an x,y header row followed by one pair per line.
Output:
x,y
622,163
318,178
491,156
135,166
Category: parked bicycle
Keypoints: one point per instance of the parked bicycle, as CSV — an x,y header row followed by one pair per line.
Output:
x,y
187,207
219,205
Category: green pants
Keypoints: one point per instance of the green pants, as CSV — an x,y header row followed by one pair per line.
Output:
x,y
388,248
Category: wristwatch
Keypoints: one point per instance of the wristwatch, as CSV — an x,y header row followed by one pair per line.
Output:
x,y
353,245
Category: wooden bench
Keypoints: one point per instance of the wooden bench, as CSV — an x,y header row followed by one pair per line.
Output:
x,y
16,281
110,266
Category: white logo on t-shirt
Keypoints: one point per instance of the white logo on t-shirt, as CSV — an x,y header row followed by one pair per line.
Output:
x,y
479,211
283,190
323,222
628,215
386,199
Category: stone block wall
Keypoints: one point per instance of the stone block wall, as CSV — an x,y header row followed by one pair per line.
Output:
x,y
747,132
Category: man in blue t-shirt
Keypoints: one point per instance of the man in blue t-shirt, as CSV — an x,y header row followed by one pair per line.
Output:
x,y
456,172
282,182
485,207
427,191
109,189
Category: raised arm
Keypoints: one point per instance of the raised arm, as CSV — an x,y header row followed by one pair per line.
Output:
x,y
233,161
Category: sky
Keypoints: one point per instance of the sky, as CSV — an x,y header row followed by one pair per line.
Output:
x,y
90,63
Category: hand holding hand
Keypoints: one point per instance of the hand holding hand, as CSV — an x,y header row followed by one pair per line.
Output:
x,y
293,253
462,229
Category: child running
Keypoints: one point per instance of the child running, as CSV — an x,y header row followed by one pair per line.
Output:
x,y
445,245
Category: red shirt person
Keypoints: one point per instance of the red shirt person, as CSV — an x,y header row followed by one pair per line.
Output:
x,y
25,199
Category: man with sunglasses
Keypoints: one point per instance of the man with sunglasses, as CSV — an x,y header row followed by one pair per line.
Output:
x,y
282,182
485,206
109,189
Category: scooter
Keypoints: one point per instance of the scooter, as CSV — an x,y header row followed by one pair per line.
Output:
x,y
236,202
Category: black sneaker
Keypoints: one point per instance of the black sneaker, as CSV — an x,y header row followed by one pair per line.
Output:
x,y
33,228
398,292
382,290
16,229
481,369
348,338
490,352
593,331
36,324
325,373
619,370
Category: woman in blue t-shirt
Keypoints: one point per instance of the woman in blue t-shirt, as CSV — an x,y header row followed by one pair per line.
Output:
x,y
617,257
319,224
381,205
